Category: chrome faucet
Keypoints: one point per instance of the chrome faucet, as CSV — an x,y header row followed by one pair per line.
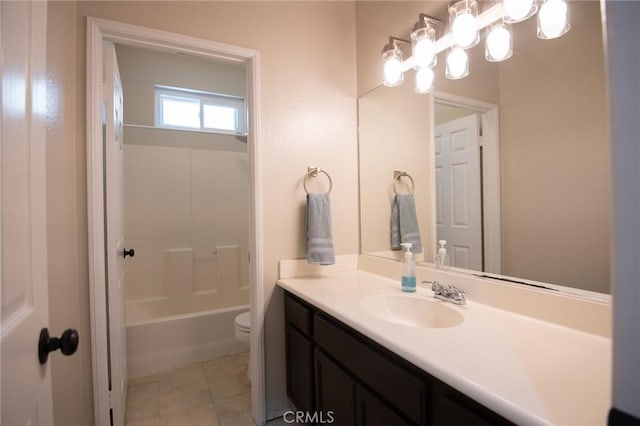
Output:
x,y
450,293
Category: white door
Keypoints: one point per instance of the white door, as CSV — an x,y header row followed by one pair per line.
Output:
x,y
114,187
26,384
458,191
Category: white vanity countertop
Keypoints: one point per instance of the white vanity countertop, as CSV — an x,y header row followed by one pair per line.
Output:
x,y
527,370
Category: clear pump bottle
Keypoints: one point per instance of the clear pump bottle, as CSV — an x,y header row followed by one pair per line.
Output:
x,y
408,270
442,258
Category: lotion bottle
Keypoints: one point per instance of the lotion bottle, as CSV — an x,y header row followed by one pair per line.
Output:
x,y
442,258
408,270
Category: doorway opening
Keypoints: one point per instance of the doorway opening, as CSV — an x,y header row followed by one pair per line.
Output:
x,y
466,192
198,267
186,207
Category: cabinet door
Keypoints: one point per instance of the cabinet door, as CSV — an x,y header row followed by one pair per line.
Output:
x,y
381,371
451,407
371,411
335,391
299,355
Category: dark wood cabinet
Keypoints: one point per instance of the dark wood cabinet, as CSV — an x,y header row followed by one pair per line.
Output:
x,y
347,379
374,366
335,391
299,359
299,353
371,411
341,398
451,407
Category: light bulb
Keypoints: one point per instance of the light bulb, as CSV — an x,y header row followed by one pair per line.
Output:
x,y
392,72
518,10
423,44
553,19
392,68
424,52
457,64
498,46
464,30
424,80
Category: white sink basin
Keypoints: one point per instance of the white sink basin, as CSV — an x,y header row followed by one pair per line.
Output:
x,y
412,310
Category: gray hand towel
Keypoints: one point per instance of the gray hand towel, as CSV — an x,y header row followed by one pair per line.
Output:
x,y
319,237
404,223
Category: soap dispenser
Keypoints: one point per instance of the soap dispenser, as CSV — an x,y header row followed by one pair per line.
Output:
x,y
442,258
408,270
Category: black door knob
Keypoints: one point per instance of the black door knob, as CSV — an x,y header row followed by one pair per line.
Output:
x,y
130,253
67,343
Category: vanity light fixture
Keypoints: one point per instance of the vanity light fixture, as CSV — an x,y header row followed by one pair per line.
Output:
x,y
392,57
464,27
553,19
499,43
423,42
457,64
518,10
464,32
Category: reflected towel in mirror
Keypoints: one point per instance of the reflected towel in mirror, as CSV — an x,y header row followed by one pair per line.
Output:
x,y
404,223
319,236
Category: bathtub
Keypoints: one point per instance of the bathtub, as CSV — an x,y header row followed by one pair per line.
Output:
x,y
155,345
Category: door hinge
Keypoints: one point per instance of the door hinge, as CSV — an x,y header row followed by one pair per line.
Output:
x,y
110,400
249,257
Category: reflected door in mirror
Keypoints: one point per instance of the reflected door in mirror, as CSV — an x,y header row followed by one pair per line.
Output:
x,y
458,190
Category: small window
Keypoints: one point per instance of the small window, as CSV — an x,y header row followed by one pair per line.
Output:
x,y
191,109
219,117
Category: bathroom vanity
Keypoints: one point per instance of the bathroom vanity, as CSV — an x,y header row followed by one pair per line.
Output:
x,y
333,368
359,348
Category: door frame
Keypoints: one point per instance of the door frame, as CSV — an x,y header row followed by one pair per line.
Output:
x,y
98,31
490,165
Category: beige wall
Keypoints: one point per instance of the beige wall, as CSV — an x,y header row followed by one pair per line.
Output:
x,y
308,115
67,215
446,113
403,132
555,155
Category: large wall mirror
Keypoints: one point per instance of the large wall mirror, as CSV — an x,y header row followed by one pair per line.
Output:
x,y
510,164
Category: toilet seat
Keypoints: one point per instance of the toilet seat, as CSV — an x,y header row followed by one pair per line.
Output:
x,y
242,331
243,322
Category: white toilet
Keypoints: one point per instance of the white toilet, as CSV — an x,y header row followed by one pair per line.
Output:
x,y
242,330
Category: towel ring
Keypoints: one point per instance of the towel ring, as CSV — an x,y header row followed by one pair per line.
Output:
x,y
397,175
313,172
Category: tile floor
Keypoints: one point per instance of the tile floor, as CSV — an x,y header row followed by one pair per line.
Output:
x,y
212,393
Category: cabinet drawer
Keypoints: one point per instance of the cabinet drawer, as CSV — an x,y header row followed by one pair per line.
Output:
x,y
298,314
401,388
